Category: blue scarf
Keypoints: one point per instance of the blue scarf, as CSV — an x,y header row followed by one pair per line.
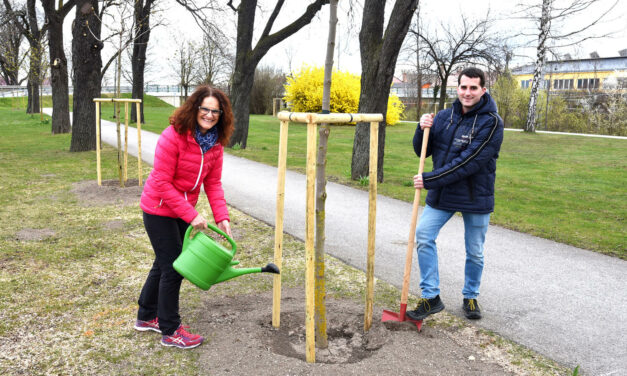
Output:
x,y
207,140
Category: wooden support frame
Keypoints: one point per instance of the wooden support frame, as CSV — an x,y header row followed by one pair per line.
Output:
x,y
126,122
312,119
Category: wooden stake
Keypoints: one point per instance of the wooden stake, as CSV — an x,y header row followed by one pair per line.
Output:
x,y
98,143
278,229
309,242
120,157
372,223
139,143
304,117
125,141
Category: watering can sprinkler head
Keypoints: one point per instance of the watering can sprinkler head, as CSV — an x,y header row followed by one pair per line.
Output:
x,y
205,262
270,268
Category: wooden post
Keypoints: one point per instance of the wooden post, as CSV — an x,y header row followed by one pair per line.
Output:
x,y
372,223
98,143
278,229
139,144
125,168
309,242
120,158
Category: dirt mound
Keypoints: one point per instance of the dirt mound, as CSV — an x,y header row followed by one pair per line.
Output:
x,y
241,340
90,194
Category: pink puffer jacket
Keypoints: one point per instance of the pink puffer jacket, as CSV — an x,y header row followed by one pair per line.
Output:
x,y
180,169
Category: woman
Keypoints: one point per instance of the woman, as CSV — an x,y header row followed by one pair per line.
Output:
x,y
189,154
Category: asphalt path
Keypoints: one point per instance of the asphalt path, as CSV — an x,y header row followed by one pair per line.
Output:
x,y
566,303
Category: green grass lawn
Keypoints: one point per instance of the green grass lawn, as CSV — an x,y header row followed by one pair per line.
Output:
x,y
565,188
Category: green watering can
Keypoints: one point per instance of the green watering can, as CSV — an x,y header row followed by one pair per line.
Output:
x,y
205,262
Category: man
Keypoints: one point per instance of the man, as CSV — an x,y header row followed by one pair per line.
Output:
x,y
464,143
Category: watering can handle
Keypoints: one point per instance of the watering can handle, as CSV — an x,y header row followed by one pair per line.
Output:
x,y
215,229
231,241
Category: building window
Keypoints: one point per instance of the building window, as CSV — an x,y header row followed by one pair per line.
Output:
x,y
588,83
562,84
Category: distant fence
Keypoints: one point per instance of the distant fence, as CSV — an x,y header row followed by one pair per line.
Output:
x,y
22,91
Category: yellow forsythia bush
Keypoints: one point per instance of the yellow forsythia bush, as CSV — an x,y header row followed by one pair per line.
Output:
x,y
303,92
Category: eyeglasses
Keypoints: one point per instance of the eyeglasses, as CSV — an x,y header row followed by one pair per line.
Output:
x,y
205,111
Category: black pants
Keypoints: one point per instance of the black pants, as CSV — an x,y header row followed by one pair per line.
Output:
x,y
160,295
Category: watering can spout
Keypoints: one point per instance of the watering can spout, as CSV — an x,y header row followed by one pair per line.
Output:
x,y
230,272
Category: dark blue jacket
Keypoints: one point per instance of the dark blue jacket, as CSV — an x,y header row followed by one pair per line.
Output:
x,y
464,148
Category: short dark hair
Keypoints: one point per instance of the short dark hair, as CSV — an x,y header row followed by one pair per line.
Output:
x,y
472,72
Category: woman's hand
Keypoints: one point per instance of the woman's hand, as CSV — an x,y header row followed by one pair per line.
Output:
x,y
426,121
199,223
418,183
225,226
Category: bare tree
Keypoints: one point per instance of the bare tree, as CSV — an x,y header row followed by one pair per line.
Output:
x,y
141,36
554,31
183,62
247,58
321,183
469,42
268,85
215,62
58,64
379,51
10,43
143,10
417,57
27,22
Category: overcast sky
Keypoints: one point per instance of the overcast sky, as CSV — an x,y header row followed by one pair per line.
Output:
x,y
308,45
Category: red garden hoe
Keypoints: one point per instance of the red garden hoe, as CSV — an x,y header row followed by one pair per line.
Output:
x,y
393,316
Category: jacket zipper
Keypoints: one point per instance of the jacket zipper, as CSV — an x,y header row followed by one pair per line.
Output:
x,y
202,161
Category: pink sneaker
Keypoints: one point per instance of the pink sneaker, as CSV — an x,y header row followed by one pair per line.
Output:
x,y
182,339
143,326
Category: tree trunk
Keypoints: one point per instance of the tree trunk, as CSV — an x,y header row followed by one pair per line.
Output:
x,y
33,91
58,79
545,24
321,183
35,74
243,78
58,67
86,48
140,46
247,58
379,53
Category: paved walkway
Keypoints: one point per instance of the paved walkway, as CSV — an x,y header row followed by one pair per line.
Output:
x,y
566,303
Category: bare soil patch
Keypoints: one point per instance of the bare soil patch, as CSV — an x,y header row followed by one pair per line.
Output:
x,y
241,340
90,194
34,234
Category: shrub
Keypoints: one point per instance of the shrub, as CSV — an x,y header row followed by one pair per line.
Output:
x,y
268,84
303,91
511,101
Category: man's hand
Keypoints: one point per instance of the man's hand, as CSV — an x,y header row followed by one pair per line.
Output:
x,y
199,223
418,183
426,121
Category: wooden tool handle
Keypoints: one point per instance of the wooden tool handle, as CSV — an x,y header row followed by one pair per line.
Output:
x,y
414,218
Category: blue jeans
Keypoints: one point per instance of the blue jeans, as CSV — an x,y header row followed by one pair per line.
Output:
x,y
431,221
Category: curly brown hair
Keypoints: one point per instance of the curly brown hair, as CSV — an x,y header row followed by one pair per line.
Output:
x,y
184,118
